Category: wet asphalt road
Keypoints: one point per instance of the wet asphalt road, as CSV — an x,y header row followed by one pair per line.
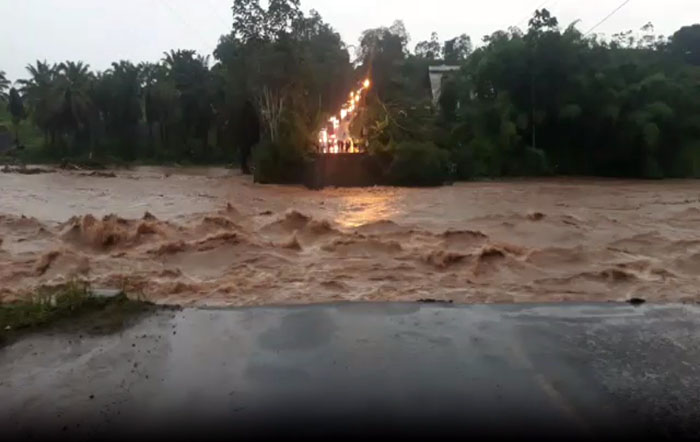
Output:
x,y
586,371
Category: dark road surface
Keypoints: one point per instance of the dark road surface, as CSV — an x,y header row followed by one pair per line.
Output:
x,y
585,371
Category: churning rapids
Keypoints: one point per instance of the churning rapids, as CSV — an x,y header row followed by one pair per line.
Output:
x,y
211,237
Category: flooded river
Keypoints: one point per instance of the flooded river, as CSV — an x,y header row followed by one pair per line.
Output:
x,y
212,237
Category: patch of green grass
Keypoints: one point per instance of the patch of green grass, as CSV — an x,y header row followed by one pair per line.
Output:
x,y
70,307
29,135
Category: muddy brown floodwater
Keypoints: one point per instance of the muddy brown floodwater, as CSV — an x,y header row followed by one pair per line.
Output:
x,y
212,237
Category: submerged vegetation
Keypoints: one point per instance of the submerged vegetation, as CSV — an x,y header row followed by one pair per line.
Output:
x,y
548,99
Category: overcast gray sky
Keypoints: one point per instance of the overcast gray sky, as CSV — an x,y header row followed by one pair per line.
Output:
x,y
101,31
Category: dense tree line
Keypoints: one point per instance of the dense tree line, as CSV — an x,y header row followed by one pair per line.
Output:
x,y
537,102
274,78
540,101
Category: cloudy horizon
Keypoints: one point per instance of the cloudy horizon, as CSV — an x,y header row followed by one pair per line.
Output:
x,y
99,32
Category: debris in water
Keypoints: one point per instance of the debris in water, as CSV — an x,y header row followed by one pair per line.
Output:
x,y
99,174
292,243
637,301
535,216
23,170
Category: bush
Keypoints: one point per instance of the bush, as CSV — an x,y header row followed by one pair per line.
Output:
x,y
534,162
46,305
651,169
418,164
274,163
479,159
73,305
687,162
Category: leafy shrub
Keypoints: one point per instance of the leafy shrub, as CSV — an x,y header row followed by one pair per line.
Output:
x,y
418,164
687,163
277,163
651,169
534,162
46,305
478,159
483,158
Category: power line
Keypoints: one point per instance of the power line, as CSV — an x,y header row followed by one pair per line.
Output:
x,y
607,17
555,4
214,7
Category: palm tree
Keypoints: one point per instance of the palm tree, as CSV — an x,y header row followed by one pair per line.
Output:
x,y
4,85
161,101
117,95
127,84
152,77
191,76
16,108
40,98
75,111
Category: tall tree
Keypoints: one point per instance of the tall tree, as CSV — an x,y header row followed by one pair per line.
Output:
x,y
253,22
74,110
432,50
248,19
16,108
191,77
41,98
391,42
457,50
280,17
686,44
117,94
543,21
282,72
382,52
160,101
149,78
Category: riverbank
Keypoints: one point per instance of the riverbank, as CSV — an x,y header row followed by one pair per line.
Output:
x,y
72,307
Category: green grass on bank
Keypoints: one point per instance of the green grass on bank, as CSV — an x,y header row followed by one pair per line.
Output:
x,y
29,134
73,306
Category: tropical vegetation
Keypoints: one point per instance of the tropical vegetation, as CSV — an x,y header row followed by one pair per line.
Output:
x,y
545,100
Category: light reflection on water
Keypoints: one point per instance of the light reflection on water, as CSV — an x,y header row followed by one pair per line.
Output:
x,y
360,208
